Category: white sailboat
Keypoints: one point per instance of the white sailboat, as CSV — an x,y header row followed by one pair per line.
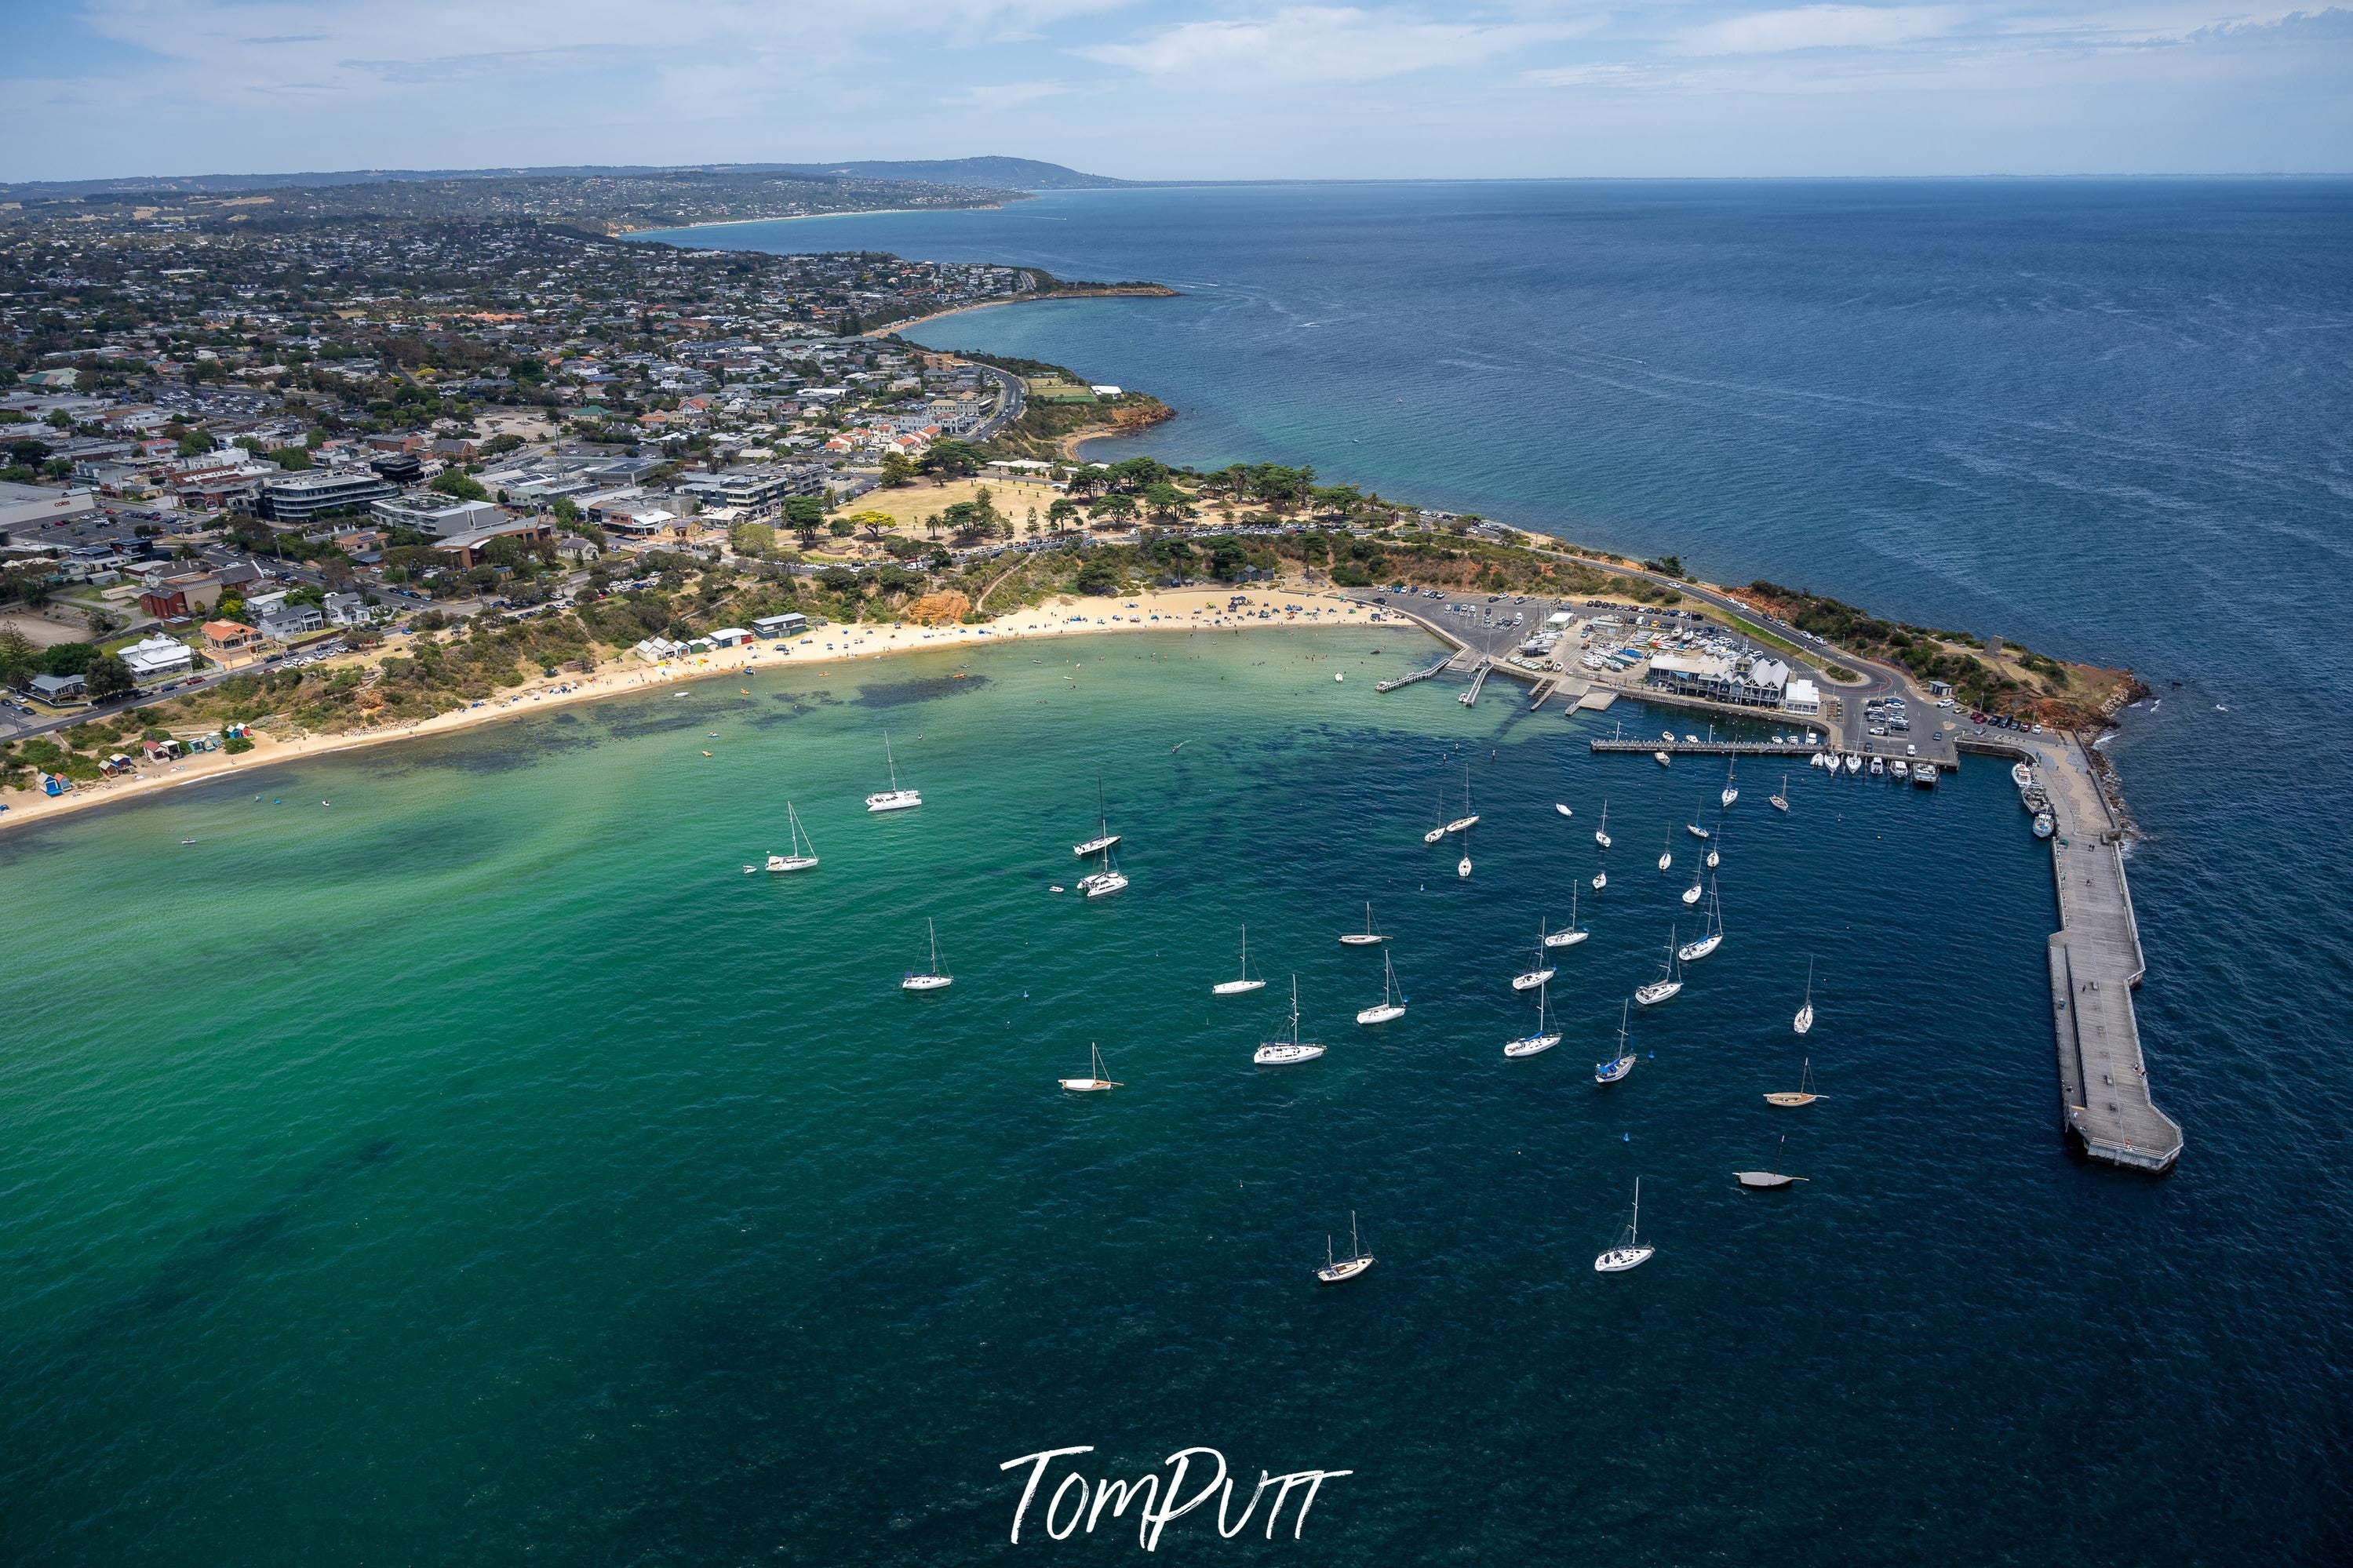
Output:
x,y
1667,983
1336,1270
804,853
1438,831
1805,1018
1282,1052
1463,866
1544,1039
932,979
1542,972
1629,1252
1365,938
1619,1065
1803,1094
1601,880
1696,830
1853,763
1236,987
1667,853
1562,809
1767,1181
1393,1001
1107,878
1602,834
894,798
1691,893
1470,818
1731,789
1692,952
1780,802
1716,848
1104,838
1663,760
1097,1084
1572,933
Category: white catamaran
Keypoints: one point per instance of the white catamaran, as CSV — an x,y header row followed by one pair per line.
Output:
x,y
1393,1001
932,979
804,853
1629,1252
1236,987
894,798
1280,1053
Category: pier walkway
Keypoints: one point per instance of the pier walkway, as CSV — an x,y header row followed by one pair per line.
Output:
x,y
2096,961
1710,748
1478,684
1416,675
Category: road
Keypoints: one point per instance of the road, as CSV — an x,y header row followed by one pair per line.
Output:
x,y
1012,398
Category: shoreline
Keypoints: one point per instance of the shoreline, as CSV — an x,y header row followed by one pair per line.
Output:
x,y
1189,610
1152,291
801,217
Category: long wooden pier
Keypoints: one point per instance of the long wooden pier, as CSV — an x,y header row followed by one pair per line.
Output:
x,y
1478,682
1416,675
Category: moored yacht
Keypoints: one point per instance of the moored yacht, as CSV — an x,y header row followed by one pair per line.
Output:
x,y
1544,1039
1098,1083
1335,1270
1602,834
1393,1001
1693,951
932,979
803,854
1667,983
1365,938
1572,933
1280,1053
1731,789
1629,1252
1470,818
894,798
1541,973
1236,987
1618,1067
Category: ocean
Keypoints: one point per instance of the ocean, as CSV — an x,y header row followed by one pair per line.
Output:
x,y
483,1165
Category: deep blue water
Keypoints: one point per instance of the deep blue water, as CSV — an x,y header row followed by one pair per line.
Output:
x,y
485,1169
2113,420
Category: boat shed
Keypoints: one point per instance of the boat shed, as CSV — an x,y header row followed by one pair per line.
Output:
x,y
791,623
729,637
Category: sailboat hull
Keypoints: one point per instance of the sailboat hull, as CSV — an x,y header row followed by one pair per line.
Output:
x,y
1651,996
1236,987
1094,845
791,862
1532,979
1804,1020
1380,1014
1562,809
1790,1096
1531,1044
1565,938
1612,1072
1693,951
1618,1259
1762,1180
1362,939
925,983
1087,1085
1346,1269
893,800
1460,823
1433,835
1691,895
1282,1053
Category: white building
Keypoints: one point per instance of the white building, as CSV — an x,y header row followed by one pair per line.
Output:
x,y
1801,698
157,658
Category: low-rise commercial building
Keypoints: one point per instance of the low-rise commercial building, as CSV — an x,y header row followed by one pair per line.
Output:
x,y
299,498
158,658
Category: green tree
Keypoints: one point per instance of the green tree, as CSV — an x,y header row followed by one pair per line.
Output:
x,y
20,660
567,511
1063,514
455,482
755,539
68,658
107,676
898,470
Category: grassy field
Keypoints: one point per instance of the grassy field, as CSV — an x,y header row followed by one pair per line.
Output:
x,y
910,506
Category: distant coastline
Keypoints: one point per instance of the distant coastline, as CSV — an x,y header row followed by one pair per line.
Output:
x,y
1110,292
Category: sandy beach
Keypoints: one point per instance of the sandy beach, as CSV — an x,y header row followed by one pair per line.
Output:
x,y
826,649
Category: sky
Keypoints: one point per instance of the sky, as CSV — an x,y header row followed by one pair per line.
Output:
x,y
1147,89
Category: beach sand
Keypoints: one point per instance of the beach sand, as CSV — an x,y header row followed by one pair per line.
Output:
x,y
825,649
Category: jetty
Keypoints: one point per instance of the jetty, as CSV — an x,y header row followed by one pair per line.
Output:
x,y
1478,683
1716,748
1416,675
2096,961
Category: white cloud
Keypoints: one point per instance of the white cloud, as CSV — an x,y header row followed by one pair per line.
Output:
x,y
1820,27
1321,43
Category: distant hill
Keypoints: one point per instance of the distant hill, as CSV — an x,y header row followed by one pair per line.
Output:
x,y
1017,173
1021,174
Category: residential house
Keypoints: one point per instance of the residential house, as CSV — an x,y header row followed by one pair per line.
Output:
x,y
227,636
349,610
293,620
181,596
158,658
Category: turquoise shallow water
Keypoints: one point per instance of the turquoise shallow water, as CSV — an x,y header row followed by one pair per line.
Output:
x,y
483,1165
